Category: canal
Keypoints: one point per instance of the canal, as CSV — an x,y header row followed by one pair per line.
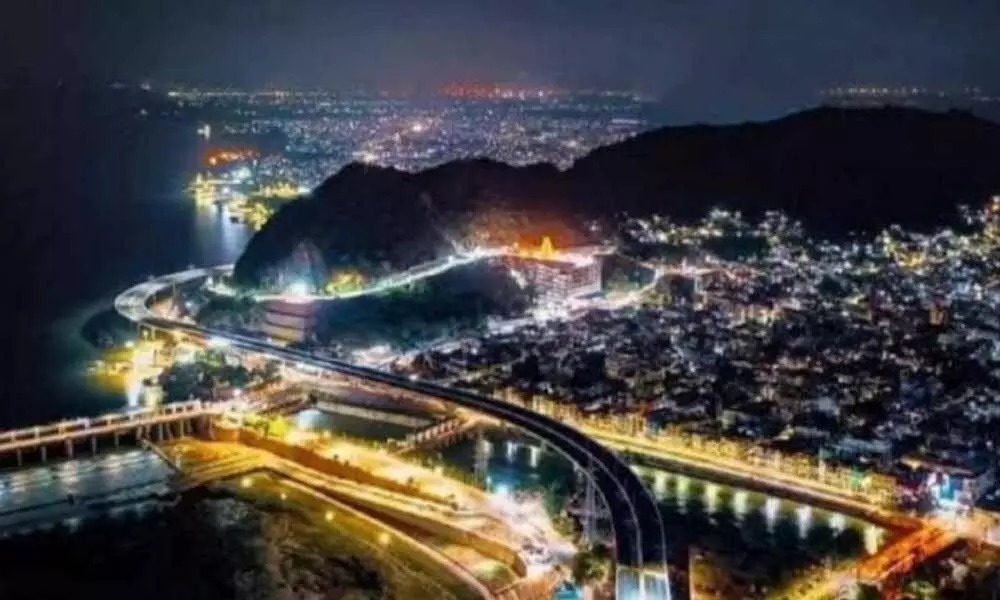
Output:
x,y
770,538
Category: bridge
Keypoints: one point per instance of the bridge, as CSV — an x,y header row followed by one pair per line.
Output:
x,y
639,534
150,422
437,434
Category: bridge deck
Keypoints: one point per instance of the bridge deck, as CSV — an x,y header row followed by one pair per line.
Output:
x,y
86,428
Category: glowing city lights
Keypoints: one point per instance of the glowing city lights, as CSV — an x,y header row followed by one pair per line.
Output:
x,y
711,497
873,539
660,484
838,523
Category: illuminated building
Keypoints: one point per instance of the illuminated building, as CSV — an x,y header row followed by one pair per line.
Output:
x,y
288,320
221,156
557,276
203,190
955,481
282,190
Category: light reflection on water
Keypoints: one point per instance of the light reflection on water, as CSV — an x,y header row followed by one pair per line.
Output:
x,y
711,497
771,507
679,493
874,538
740,504
660,483
780,535
805,520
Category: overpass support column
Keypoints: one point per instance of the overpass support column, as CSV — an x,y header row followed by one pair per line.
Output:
x,y
482,458
589,512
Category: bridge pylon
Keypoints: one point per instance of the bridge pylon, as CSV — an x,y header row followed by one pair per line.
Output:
x,y
482,463
590,512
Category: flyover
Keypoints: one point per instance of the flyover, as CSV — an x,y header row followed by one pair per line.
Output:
x,y
403,278
639,534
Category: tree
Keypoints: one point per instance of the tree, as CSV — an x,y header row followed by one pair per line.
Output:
x,y
592,566
272,371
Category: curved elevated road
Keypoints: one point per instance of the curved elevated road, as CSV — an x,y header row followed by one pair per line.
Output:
x,y
640,538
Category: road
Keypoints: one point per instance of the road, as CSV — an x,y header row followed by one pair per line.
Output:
x,y
639,533
396,280
403,278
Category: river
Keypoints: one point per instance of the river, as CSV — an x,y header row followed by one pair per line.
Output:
x,y
91,201
769,538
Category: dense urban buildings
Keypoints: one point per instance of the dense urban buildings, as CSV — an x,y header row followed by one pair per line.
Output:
x,y
479,300
315,133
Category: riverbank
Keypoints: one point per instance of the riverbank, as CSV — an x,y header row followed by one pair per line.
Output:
x,y
232,541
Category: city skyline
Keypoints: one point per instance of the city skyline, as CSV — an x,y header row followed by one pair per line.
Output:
x,y
473,300
731,59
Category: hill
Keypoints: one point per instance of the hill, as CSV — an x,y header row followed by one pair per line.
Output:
x,y
835,169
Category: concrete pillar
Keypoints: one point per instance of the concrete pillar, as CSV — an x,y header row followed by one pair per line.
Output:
x,y
161,431
482,458
93,444
69,448
20,458
116,439
43,453
589,508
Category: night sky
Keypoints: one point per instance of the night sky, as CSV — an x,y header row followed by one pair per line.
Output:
x,y
761,51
